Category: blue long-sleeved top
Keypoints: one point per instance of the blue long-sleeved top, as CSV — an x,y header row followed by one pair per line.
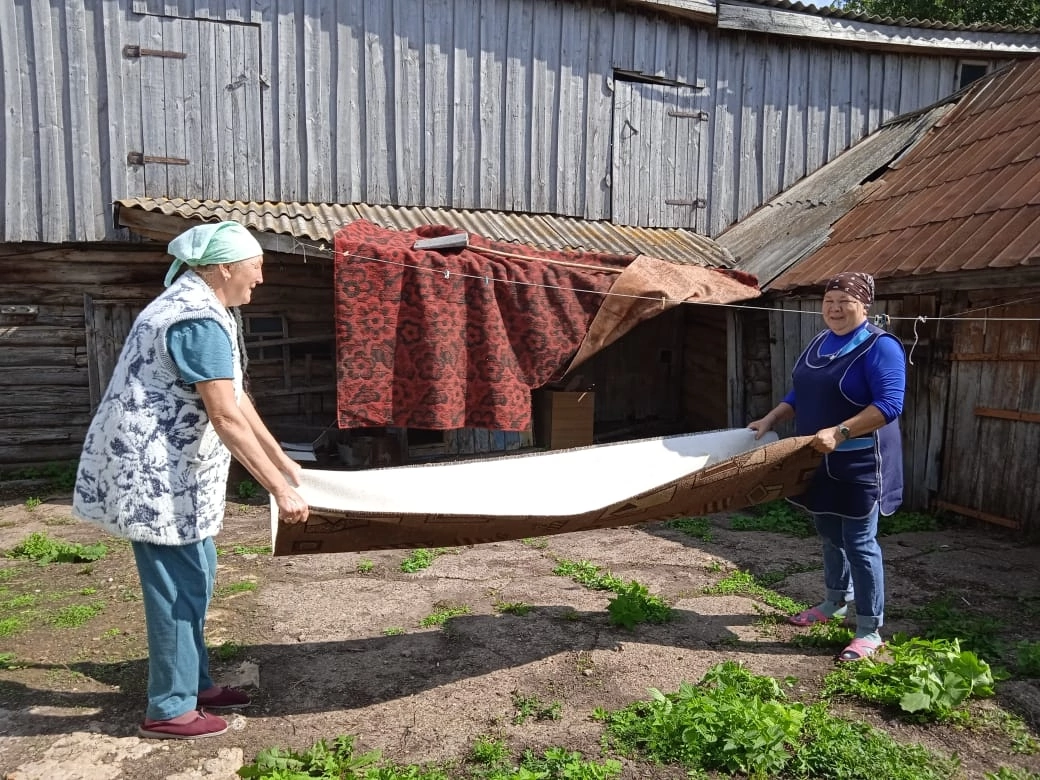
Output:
x,y
880,375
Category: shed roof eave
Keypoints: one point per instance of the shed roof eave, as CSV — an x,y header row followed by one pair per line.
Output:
x,y
734,15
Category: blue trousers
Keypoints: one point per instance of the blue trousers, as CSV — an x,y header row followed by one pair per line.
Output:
x,y
177,585
852,566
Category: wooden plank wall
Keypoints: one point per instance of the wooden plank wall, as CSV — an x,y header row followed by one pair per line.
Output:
x,y
467,104
993,430
45,362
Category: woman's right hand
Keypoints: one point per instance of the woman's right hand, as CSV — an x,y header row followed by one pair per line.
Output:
x,y
291,507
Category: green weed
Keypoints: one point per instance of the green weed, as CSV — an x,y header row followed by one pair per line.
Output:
x,y
697,527
513,608
393,631
11,626
906,522
243,549
365,566
830,633
247,489
488,751
927,679
7,661
776,516
563,764
1027,659
527,707
442,616
1006,773
58,475
742,583
735,722
940,619
634,604
420,559
536,543
228,650
42,549
588,574
76,614
32,503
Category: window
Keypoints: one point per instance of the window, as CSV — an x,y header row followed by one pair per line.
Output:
x,y
261,328
969,71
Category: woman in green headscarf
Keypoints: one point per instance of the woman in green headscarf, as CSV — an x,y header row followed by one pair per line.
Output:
x,y
155,463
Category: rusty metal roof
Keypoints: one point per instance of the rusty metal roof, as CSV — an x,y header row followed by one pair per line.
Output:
x,y
965,198
902,21
318,223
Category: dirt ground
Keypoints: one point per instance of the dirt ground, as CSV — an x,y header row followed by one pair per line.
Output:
x,y
328,648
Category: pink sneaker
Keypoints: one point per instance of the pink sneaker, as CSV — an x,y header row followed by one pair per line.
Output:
x,y
223,698
202,725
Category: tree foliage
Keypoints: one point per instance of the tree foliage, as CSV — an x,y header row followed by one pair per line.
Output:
x,y
1015,13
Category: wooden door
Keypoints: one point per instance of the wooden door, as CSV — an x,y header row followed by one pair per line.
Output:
x,y
659,173
194,109
107,324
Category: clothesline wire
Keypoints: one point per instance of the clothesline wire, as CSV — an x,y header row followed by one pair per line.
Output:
x,y
664,300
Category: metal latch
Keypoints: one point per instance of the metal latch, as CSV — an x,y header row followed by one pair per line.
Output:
x,y
699,203
140,158
16,308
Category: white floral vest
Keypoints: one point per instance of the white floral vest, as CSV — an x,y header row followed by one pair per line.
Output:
x,y
153,468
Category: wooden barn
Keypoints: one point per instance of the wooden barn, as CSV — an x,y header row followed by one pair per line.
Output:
x,y
618,127
942,208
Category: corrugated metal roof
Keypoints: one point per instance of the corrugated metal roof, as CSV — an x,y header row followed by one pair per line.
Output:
x,y
967,197
799,220
900,21
318,222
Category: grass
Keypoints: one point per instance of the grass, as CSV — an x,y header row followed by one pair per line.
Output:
x,y
76,614
235,588
443,615
243,549
776,517
742,583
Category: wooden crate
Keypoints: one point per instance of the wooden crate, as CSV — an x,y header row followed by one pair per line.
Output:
x,y
563,419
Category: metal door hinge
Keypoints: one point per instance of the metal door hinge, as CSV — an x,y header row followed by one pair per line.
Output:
x,y
701,116
131,51
140,158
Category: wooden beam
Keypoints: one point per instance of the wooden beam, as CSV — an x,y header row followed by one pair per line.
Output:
x,y
978,515
776,21
1007,414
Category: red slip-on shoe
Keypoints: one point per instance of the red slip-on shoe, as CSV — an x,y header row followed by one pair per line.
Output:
x,y
201,726
224,699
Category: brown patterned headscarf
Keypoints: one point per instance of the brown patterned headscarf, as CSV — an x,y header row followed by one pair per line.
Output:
x,y
859,286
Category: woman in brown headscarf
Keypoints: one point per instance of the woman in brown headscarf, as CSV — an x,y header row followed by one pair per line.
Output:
x,y
848,388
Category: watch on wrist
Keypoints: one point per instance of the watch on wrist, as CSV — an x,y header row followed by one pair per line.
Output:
x,y
846,434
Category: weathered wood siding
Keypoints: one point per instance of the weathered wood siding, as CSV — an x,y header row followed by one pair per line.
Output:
x,y
541,106
971,419
48,374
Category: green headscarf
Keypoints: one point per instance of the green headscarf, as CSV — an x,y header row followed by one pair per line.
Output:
x,y
211,244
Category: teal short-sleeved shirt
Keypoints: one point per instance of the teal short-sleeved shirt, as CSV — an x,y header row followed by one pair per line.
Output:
x,y
201,350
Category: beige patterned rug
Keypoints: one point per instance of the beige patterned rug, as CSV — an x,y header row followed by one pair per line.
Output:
x,y
539,494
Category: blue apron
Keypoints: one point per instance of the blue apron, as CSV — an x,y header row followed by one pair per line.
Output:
x,y
862,471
